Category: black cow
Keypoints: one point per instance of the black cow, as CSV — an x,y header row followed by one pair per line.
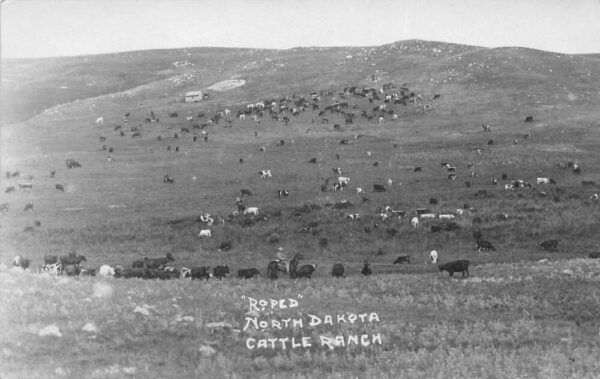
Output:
x,y
549,245
220,271
461,266
338,270
248,273
153,263
417,169
378,188
483,245
224,246
529,119
402,259
306,271
246,192
200,272
366,270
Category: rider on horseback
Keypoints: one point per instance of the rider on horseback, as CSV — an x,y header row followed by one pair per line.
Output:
x,y
283,260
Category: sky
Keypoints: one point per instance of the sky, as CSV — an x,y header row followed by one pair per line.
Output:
x,y
47,28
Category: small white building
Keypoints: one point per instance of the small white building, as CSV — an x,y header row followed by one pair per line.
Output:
x,y
193,96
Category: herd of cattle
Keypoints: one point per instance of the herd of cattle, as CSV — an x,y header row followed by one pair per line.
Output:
x,y
383,100
159,268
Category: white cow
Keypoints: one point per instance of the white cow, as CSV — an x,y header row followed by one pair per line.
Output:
x,y
111,159
106,271
414,222
353,216
100,120
394,116
428,216
460,212
446,216
251,211
205,233
242,116
433,255
360,191
343,180
207,218
390,182
543,181
265,174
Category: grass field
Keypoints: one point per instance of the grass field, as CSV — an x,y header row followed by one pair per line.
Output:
x,y
513,318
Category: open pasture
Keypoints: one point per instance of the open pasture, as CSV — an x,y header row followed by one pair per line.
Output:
x,y
512,318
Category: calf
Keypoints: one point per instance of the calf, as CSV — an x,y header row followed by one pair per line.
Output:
x,y
248,273
461,266
366,270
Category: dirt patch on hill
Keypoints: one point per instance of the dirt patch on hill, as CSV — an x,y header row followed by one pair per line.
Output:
x,y
226,85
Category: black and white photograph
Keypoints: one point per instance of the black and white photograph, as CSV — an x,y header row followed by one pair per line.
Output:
x,y
299,189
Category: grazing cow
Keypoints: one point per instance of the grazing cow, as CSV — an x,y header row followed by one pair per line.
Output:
x,y
366,270
337,170
200,272
28,206
53,269
529,119
311,225
446,216
360,191
343,180
486,128
251,211
344,142
153,263
402,259
100,120
71,163
9,189
461,266
378,188
306,271
414,222
111,159
337,271
168,179
353,216
25,187
205,233
282,193
248,273
220,271
245,192
265,174
312,160
483,245
436,96
433,255
427,216
543,181
19,261
549,245
4,208
418,169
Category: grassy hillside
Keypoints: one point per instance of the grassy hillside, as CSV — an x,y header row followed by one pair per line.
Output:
x,y
512,318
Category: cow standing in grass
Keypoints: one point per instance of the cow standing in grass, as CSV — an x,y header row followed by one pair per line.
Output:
x,y
461,266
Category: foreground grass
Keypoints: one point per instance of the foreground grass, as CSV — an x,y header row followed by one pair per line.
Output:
x,y
526,320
